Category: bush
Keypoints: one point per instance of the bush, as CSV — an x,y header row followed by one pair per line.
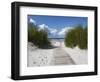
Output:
x,y
32,31
70,39
39,38
76,36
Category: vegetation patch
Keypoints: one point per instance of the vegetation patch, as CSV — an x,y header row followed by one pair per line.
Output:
x,y
38,37
76,37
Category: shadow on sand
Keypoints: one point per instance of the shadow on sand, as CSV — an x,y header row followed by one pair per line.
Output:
x,y
48,47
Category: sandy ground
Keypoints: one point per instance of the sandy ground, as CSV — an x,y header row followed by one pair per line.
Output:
x,y
39,57
60,55
79,56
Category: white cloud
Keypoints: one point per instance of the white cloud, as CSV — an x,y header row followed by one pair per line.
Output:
x,y
64,30
32,21
53,31
43,27
47,28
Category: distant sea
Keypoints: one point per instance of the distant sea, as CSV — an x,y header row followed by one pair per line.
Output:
x,y
57,39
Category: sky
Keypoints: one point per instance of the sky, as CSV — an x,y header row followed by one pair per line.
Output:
x,y
57,25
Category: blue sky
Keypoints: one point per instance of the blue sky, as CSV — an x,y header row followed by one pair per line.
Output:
x,y
58,22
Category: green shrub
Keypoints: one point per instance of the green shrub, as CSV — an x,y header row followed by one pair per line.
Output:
x,y
32,31
76,36
70,39
39,38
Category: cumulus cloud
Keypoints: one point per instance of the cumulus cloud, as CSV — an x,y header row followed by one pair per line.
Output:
x,y
43,27
64,30
47,28
32,21
53,31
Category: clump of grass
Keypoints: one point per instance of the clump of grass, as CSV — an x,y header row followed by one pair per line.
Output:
x,y
76,37
39,38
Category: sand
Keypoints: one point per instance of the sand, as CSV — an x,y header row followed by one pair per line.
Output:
x,y
60,55
79,56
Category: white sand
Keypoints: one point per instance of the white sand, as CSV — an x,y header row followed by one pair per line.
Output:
x,y
39,57
45,57
79,56
55,43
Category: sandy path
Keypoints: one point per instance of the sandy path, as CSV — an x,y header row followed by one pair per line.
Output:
x,y
61,57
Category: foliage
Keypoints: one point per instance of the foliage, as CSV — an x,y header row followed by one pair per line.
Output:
x,y
39,38
70,39
76,37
